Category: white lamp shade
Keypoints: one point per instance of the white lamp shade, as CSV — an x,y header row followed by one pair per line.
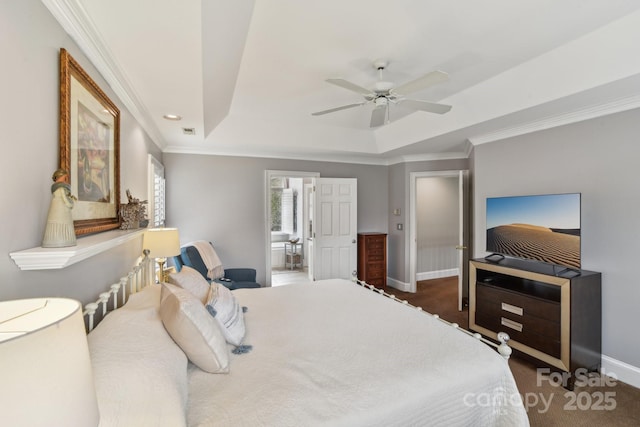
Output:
x,y
45,368
161,242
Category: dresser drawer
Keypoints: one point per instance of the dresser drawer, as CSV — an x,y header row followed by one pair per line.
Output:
x,y
498,300
375,254
378,282
528,320
378,239
522,322
375,270
520,332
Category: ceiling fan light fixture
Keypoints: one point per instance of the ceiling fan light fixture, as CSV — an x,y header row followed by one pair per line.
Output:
x,y
385,93
381,101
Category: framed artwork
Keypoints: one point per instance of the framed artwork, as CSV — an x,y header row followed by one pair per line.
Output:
x,y
89,148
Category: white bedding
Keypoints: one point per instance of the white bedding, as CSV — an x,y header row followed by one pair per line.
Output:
x,y
333,353
140,373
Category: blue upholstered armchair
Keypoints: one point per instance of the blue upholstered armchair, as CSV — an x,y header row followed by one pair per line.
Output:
x,y
234,278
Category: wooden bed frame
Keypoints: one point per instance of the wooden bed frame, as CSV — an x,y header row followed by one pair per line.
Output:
x,y
143,275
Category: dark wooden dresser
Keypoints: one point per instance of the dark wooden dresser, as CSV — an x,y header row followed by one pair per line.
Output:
x,y
553,318
372,259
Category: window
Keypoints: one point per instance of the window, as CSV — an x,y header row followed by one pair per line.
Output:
x,y
283,206
156,193
277,185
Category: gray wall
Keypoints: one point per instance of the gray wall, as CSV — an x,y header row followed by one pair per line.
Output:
x,y
598,158
399,188
221,199
437,208
29,118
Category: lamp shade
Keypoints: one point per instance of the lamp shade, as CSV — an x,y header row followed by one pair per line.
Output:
x,y
45,369
161,242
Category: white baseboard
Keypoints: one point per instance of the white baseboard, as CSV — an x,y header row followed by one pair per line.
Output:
x,y
626,373
428,275
401,286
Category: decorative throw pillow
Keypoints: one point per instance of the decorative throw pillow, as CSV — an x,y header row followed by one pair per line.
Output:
x,y
191,280
223,306
193,329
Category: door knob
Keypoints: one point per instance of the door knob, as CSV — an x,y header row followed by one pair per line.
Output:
x,y
461,247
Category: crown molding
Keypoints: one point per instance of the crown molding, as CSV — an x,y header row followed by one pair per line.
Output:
x,y
378,160
74,19
412,158
587,113
268,154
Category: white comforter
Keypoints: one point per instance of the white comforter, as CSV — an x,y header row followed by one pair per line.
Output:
x,y
333,353
140,373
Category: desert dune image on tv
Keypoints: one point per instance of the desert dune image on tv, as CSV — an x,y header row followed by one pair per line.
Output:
x,y
543,227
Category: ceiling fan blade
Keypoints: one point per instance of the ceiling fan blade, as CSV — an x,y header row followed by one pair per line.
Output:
x,y
351,86
378,116
331,110
423,82
430,107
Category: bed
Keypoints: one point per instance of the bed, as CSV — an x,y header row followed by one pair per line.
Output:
x,y
330,353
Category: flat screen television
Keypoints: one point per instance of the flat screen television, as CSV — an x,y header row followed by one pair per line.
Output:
x,y
543,227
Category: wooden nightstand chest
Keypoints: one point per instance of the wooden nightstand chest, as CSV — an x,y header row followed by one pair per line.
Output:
x,y
372,259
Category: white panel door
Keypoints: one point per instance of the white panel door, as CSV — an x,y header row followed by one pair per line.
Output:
x,y
335,221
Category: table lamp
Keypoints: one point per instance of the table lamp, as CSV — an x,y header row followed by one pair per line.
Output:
x,y
45,369
161,243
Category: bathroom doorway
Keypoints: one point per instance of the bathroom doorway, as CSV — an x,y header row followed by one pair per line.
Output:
x,y
288,222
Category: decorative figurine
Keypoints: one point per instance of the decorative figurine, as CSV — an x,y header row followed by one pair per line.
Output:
x,y
60,231
133,214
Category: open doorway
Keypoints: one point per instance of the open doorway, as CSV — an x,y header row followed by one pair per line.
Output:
x,y
288,222
439,235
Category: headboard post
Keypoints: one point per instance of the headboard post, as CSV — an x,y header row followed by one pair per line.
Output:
x,y
140,276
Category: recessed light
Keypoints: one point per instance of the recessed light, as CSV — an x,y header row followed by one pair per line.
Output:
x,y
172,117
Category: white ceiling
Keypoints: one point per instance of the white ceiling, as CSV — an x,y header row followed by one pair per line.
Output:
x,y
247,74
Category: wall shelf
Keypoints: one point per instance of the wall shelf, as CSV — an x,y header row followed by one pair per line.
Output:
x,y
56,258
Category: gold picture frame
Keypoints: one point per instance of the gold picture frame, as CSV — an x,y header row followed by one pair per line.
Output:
x,y
89,148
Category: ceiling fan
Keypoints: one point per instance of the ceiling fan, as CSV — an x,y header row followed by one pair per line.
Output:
x,y
385,93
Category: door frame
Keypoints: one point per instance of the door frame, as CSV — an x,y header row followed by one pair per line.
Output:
x,y
267,207
463,232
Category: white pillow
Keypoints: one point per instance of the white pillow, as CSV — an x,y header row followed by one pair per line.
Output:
x,y
190,279
193,329
139,372
223,306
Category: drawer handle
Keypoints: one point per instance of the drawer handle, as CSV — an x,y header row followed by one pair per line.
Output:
x,y
512,309
511,324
